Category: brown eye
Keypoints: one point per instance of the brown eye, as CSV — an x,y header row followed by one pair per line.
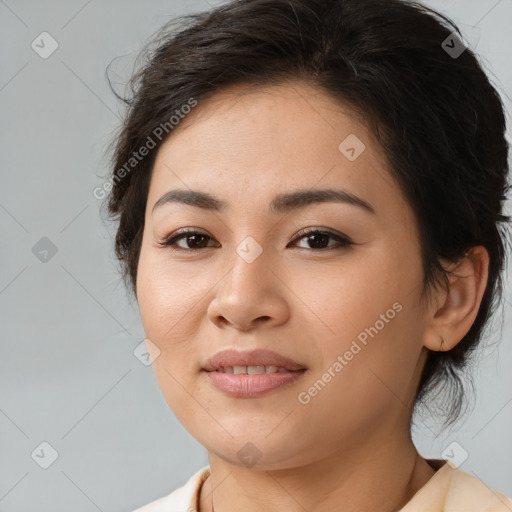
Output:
x,y
319,239
194,240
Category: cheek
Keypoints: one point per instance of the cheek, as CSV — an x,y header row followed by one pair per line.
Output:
x,y
166,303
169,304
167,293
344,297
365,310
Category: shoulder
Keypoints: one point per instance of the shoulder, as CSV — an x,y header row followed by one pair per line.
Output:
x,y
182,499
454,490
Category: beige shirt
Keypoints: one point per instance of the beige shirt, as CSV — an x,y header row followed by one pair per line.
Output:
x,y
448,490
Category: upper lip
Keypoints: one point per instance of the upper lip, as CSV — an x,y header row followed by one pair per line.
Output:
x,y
259,357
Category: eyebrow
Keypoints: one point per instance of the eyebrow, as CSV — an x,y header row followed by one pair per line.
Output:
x,y
282,203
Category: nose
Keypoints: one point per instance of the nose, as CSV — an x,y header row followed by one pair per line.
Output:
x,y
251,294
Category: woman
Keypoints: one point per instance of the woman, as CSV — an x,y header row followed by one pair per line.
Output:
x,y
310,199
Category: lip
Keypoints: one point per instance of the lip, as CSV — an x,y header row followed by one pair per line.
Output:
x,y
258,357
251,385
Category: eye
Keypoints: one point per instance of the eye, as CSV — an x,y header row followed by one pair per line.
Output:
x,y
316,238
195,239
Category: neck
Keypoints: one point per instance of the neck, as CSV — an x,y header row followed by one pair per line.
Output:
x,y
382,477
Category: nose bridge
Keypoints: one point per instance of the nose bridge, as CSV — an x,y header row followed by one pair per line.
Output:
x,y
249,264
249,292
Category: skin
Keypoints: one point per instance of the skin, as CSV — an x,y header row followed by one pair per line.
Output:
x,y
351,443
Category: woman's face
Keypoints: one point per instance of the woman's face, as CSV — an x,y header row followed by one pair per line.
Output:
x,y
349,313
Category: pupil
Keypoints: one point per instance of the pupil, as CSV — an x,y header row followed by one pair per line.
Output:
x,y
195,237
316,245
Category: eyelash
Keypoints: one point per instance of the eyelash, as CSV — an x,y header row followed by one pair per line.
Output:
x,y
170,241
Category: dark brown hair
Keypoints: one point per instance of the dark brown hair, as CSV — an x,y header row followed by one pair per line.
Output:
x,y
436,115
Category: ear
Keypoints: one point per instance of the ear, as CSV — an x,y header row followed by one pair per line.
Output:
x,y
456,307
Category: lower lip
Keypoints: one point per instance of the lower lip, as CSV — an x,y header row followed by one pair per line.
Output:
x,y
250,386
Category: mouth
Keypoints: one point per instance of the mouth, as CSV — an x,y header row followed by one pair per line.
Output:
x,y
250,374
254,370
251,362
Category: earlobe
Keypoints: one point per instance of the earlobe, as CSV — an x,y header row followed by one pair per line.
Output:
x,y
459,303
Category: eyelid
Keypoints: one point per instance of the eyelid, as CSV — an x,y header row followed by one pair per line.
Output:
x,y
321,229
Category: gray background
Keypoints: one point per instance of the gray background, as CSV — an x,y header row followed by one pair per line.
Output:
x,y
68,373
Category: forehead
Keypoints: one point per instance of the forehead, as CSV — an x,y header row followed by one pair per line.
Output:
x,y
246,140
